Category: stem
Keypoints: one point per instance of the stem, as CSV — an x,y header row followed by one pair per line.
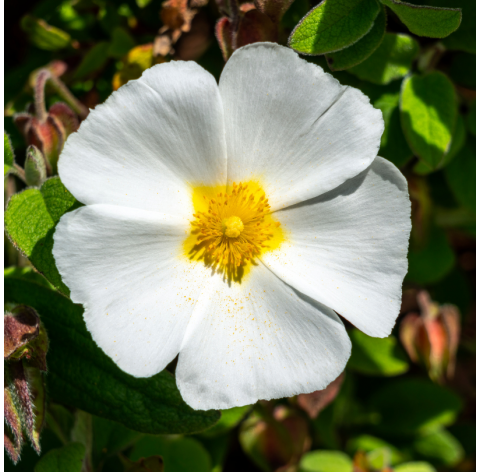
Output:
x,y
19,172
40,82
234,21
81,110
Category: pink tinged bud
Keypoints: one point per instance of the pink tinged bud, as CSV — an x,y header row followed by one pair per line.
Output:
x,y
20,327
35,167
432,338
66,119
223,33
274,9
313,403
13,426
36,385
255,26
10,444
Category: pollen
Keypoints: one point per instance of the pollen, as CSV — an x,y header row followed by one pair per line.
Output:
x,y
232,227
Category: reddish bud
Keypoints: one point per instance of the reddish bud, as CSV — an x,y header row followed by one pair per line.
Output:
x,y
223,33
432,338
255,26
313,403
65,118
274,9
20,327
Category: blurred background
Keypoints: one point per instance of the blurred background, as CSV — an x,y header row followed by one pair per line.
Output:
x,y
405,403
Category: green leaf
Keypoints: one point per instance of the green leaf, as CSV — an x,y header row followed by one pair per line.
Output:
x,y
43,35
415,467
8,155
376,356
230,419
66,459
30,220
121,43
369,443
362,49
393,143
325,461
179,454
426,21
333,25
414,405
428,116
82,376
440,447
93,60
461,175
459,138
464,38
391,60
432,262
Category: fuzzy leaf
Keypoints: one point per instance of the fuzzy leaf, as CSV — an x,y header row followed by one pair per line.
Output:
x,y
426,21
30,220
414,405
82,376
8,156
43,35
93,60
461,175
362,49
333,25
376,356
428,116
66,459
391,60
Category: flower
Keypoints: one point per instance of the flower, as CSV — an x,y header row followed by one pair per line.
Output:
x,y
305,221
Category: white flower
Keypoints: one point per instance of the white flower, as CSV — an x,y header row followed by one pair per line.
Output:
x,y
157,281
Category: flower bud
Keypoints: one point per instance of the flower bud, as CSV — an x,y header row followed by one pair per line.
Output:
x,y
313,403
432,338
20,327
274,9
275,441
35,167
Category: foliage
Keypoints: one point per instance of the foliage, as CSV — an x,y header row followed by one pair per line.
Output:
x,y
416,63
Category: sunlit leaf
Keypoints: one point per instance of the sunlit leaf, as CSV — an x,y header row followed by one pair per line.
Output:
x,y
415,467
333,25
325,461
43,35
362,49
440,447
391,60
428,115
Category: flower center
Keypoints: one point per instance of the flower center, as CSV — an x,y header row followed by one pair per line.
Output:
x,y
231,227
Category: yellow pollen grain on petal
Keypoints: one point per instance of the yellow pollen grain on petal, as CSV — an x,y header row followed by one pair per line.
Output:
x,y
231,227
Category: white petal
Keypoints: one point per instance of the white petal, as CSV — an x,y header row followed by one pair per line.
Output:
x,y
258,340
150,139
347,249
138,292
293,126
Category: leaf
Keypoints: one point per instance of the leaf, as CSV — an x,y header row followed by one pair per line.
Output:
x,y
464,38
432,262
369,443
362,49
391,60
333,25
414,405
428,115
179,454
230,419
82,376
393,143
440,447
8,155
415,467
461,175
471,119
376,356
121,43
66,459
426,21
459,138
30,220
325,461
93,60
43,35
